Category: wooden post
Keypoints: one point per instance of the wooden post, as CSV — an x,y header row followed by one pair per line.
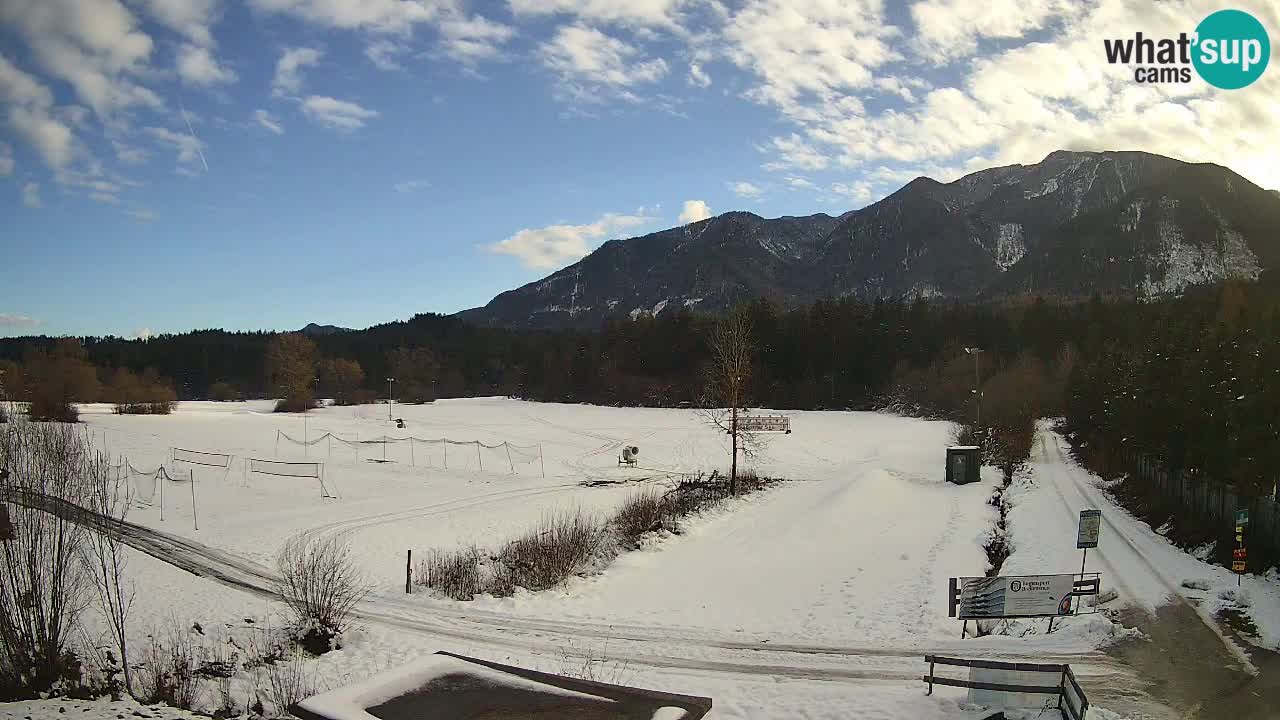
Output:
x,y
541,462
408,573
160,477
478,458
930,676
446,453
195,521
412,462
964,629
513,465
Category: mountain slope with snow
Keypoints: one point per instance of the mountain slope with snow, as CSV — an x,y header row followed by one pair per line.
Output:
x,y
1074,224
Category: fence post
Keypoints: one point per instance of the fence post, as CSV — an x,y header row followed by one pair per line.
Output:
x,y
541,462
408,573
195,521
513,465
930,676
478,458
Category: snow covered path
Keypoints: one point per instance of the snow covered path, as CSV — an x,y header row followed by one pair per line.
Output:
x,y
1144,568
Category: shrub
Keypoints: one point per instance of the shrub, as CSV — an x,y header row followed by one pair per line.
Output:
x,y
46,585
48,408
321,585
167,673
640,513
296,404
290,681
557,548
223,391
144,408
455,573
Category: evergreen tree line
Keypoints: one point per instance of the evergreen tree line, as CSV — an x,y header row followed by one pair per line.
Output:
x,y
1191,380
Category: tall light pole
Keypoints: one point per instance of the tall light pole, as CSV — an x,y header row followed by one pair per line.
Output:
x,y
389,397
977,384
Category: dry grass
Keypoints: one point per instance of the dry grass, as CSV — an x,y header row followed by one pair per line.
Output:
x,y
567,544
454,573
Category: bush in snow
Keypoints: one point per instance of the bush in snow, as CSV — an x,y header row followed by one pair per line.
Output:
x,y
560,546
454,573
321,585
640,513
167,673
290,681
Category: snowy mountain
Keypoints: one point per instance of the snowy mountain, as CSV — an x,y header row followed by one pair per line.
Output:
x,y
1071,225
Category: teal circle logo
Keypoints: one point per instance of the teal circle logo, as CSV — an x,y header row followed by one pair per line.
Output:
x,y
1232,49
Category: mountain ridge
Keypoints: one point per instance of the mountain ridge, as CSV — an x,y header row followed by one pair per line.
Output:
x,y
1076,223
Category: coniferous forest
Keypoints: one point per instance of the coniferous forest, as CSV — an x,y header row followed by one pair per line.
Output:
x,y
1191,380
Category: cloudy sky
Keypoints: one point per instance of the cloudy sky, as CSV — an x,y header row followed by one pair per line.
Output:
x,y
170,164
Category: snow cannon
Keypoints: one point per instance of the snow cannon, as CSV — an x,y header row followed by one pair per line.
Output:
x,y
629,453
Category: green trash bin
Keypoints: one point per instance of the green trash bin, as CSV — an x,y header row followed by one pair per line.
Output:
x,y
963,464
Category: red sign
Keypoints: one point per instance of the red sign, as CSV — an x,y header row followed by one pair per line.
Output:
x,y
1239,554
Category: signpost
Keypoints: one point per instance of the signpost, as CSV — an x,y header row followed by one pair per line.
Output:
x,y
1087,535
1240,555
764,423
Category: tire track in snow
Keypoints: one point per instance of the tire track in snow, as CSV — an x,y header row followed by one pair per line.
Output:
x,y
524,635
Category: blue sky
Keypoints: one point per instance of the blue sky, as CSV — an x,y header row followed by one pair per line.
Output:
x,y
174,164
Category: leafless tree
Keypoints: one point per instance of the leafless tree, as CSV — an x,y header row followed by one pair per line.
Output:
x,y
728,382
321,585
106,557
45,586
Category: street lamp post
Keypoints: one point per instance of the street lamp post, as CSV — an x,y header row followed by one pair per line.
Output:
x,y
389,397
977,384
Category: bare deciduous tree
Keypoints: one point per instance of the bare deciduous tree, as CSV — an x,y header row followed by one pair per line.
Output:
x,y
45,585
106,557
728,383
291,369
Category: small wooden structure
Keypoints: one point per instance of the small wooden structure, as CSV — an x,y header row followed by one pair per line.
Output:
x,y
963,464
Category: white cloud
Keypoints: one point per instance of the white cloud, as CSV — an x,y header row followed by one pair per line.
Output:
x,y
857,192
190,149
197,66
469,40
31,195
382,53
103,197
143,334
31,115
18,320
6,160
288,77
948,29
336,114
694,210
386,16
95,46
794,152
809,50
1002,108
698,77
557,245
266,120
639,13
592,66
797,182
191,18
742,188
142,215
129,154
410,186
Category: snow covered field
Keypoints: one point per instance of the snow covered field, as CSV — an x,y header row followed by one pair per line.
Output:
x,y
815,599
